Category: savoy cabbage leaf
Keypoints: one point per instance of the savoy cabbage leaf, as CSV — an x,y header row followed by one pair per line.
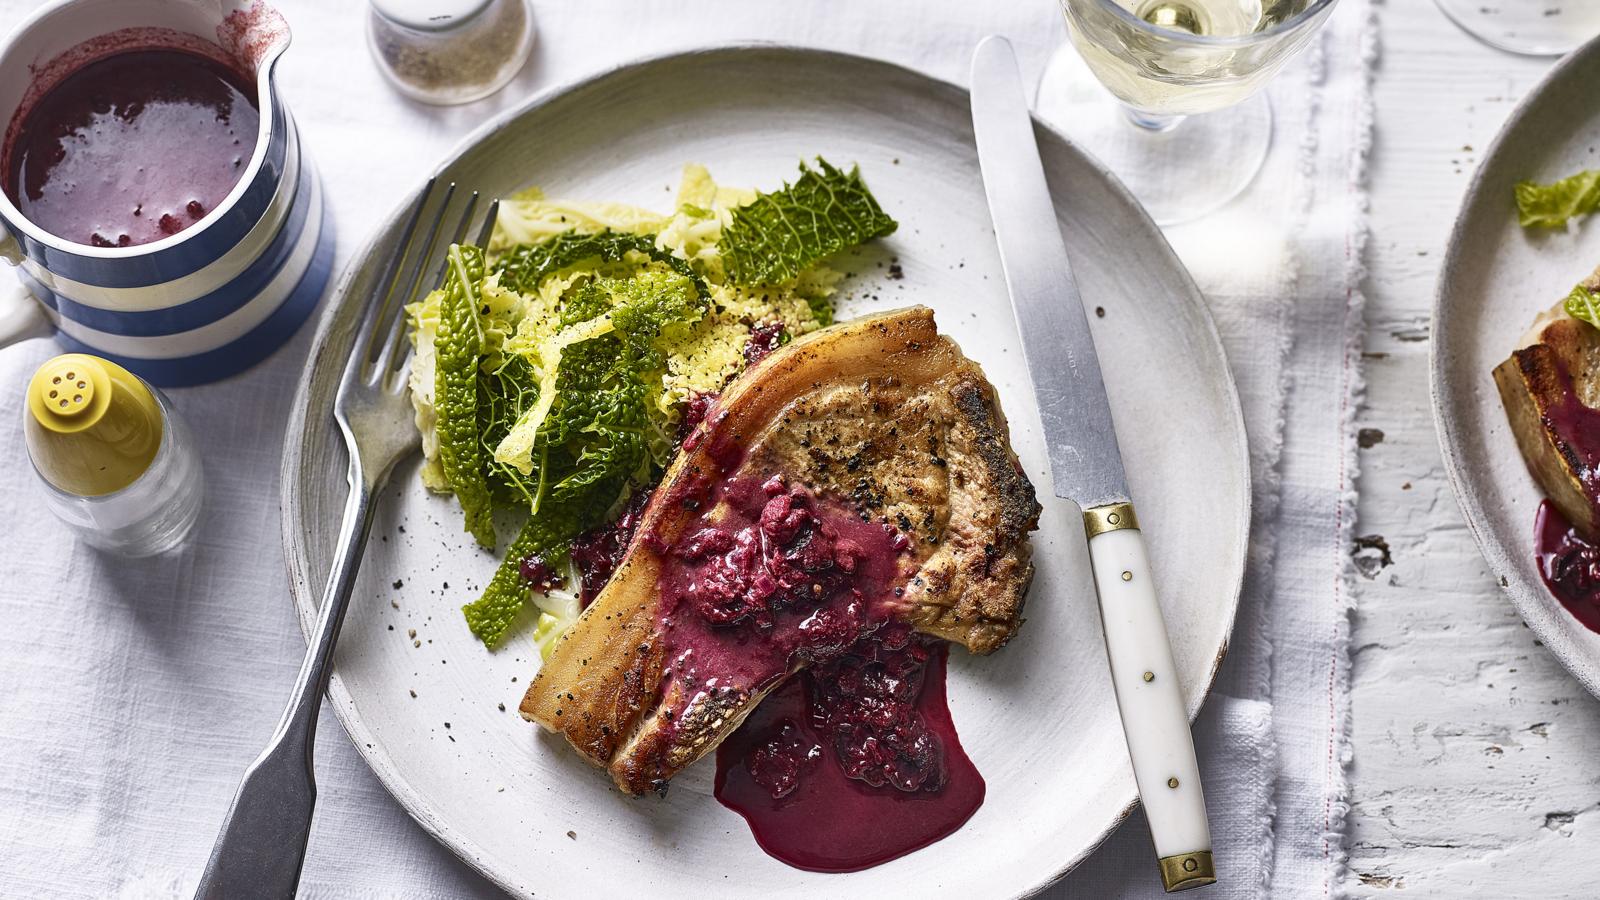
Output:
x,y
777,236
1551,205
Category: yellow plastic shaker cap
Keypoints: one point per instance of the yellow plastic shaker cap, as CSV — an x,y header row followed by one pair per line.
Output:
x,y
92,427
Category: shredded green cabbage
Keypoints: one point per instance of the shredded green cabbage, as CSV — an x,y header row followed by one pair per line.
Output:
x,y
491,615
424,334
528,218
780,234
589,437
1584,304
551,376
458,345
1552,205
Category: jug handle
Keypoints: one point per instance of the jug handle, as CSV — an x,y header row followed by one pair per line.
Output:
x,y
21,316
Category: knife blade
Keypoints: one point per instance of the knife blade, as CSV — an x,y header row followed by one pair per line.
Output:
x,y
1086,465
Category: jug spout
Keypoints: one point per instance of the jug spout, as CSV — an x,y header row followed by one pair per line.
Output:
x,y
252,33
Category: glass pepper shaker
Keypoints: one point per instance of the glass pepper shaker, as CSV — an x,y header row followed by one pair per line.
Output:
x,y
450,51
115,462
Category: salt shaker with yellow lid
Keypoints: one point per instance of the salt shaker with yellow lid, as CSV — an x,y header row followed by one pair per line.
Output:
x,y
115,461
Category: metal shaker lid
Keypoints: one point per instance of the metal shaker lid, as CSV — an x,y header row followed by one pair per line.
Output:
x,y
430,15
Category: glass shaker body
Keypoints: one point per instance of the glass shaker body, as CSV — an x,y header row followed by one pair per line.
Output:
x,y
154,513
450,51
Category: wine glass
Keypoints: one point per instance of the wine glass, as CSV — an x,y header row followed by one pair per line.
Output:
x,y
1174,103
1531,27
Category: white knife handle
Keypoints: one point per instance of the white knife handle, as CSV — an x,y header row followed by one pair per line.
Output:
x,y
1148,697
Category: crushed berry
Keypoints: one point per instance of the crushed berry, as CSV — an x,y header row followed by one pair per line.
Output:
x,y
787,559
694,412
778,763
599,551
1576,565
538,574
764,338
829,631
866,701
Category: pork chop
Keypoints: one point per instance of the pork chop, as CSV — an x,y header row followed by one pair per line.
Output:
x,y
1550,388
860,474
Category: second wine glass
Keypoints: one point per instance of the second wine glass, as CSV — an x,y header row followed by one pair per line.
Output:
x,y
1168,92
1529,27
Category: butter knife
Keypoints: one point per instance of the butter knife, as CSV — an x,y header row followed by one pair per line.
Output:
x,y
1086,466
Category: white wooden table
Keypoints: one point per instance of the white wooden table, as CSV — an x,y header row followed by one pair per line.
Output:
x,y
1475,769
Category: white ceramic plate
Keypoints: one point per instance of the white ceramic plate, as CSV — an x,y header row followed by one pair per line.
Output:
x,y
1496,277
1038,718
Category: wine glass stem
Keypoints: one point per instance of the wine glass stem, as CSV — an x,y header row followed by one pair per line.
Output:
x,y
1150,121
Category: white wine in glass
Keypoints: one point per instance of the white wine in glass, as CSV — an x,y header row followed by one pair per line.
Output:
x,y
1150,76
1189,127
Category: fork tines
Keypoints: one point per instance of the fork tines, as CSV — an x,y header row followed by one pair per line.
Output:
x,y
385,350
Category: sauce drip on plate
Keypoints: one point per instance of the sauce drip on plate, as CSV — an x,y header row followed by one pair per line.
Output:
x,y
1569,565
854,762
133,148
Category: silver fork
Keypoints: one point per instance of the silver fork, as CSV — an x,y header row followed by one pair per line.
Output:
x,y
262,844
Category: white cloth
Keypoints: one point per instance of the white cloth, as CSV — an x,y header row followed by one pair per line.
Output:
x,y
132,694
1281,270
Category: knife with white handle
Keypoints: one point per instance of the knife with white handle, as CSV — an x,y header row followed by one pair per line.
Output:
x,y
1086,466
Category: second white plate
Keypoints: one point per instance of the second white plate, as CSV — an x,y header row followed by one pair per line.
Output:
x,y
1495,278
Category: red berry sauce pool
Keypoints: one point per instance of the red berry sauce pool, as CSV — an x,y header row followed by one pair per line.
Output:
x,y
1569,565
853,761
132,148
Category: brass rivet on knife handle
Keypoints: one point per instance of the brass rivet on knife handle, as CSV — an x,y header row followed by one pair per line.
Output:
x,y
1111,517
1187,870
